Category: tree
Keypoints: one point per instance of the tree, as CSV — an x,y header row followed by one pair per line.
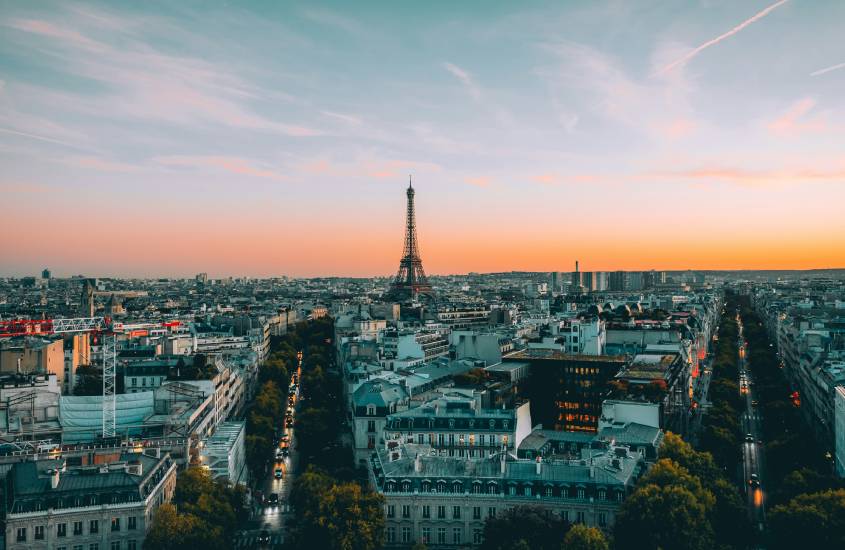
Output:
x,y
814,520
581,537
528,525
667,473
171,530
665,518
727,518
89,381
353,519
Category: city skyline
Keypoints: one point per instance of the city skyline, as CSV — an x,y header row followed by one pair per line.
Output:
x,y
263,140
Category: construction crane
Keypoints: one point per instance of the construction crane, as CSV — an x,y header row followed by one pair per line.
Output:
x,y
97,325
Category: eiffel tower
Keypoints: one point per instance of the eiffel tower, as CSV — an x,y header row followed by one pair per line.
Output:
x,y
410,279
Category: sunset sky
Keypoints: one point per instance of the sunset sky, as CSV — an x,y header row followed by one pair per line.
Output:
x,y
270,138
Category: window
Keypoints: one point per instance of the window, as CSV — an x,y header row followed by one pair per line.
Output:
x,y
371,410
426,511
61,529
602,519
21,534
94,526
513,490
426,535
371,442
77,547
131,522
564,515
456,512
132,545
94,546
371,426
39,532
602,494
420,438
476,536
77,528
476,512
406,534
115,524
391,510
391,535
548,491
134,381
441,512
406,511
115,545
527,490
441,535
457,537
580,492
491,512
579,518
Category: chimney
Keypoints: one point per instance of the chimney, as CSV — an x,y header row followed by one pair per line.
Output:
x,y
539,465
418,464
54,478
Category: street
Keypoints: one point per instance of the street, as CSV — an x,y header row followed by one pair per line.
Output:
x,y
752,447
273,515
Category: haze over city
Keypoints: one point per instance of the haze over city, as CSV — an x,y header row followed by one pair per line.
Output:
x,y
266,138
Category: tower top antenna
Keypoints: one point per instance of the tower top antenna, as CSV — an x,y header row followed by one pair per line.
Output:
x,y
410,182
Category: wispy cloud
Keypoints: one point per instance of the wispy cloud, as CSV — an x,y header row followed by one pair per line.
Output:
x,y
349,119
795,120
479,181
368,168
751,177
553,178
333,19
603,85
828,69
234,165
101,164
49,30
143,83
36,136
464,77
695,51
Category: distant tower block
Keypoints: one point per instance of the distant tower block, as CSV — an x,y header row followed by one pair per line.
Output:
x,y
410,279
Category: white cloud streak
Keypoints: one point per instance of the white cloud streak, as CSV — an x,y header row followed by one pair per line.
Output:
x,y
35,136
828,69
465,79
694,52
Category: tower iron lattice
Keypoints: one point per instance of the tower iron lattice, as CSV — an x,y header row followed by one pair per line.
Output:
x,y
410,280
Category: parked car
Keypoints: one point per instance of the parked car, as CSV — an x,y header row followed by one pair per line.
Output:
x,y
279,473
264,537
273,500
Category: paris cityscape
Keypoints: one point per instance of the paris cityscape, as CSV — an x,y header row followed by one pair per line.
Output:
x,y
354,276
